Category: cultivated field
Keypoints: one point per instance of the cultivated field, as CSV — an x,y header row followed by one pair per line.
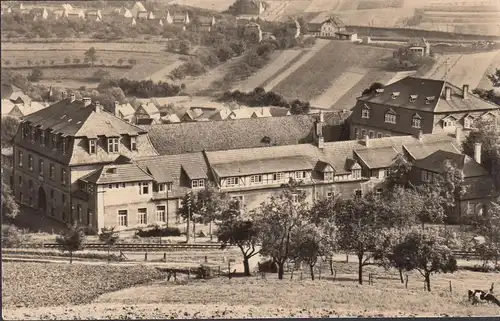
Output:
x,y
82,46
464,69
216,5
323,5
319,73
26,286
279,59
494,65
295,64
387,17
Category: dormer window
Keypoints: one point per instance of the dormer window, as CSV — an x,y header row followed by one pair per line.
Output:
x,y
133,143
468,122
82,186
379,91
64,144
395,95
390,117
92,146
232,181
365,112
416,121
33,134
111,170
113,145
413,98
429,100
356,173
197,183
54,142
328,176
448,122
42,138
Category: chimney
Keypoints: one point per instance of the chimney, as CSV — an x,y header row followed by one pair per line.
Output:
x,y
72,98
98,107
321,117
115,107
458,135
420,135
477,152
87,101
321,142
465,91
64,95
447,93
367,141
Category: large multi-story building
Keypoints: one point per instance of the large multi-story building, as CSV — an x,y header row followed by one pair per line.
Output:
x,y
75,161
413,104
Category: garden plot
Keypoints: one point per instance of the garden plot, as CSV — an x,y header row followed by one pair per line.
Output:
x,y
282,59
339,86
320,43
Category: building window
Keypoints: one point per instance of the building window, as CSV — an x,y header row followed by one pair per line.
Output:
x,y
143,188
356,133
64,216
63,199
133,143
329,194
371,135
52,210
90,188
379,135
82,186
356,174
30,201
467,123
387,172
40,166
142,214
20,181
64,145
256,179
160,213
42,138
232,181
30,185
198,183
110,186
92,146
21,198
329,176
390,118
30,162
79,212
300,174
425,176
122,218
169,187
20,158
295,198
448,123
52,171
365,113
112,145
53,195
63,176
161,187
363,133
117,185
277,176
89,217
416,122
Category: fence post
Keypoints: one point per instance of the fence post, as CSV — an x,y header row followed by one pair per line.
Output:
x,y
301,275
406,282
165,257
189,273
450,287
319,274
206,259
347,258
146,256
218,272
229,269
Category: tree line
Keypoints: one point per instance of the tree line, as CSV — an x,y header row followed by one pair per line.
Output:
x,y
259,97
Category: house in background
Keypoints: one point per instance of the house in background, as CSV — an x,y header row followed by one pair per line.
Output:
x,y
124,111
412,104
170,119
241,113
181,20
75,14
7,163
14,94
94,15
138,7
206,23
168,18
328,27
20,110
147,111
419,46
142,15
39,14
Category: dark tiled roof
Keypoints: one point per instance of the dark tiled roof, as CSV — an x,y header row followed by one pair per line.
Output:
x,y
436,161
168,168
263,166
121,173
241,133
75,119
422,151
377,158
479,187
194,171
426,88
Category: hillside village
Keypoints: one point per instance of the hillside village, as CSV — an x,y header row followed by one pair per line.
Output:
x,y
262,141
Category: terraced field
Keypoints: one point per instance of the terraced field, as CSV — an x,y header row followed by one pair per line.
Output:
x,y
323,5
318,74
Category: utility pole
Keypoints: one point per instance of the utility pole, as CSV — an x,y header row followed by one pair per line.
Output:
x,y
189,201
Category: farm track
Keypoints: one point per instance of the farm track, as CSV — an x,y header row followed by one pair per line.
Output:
x,y
320,44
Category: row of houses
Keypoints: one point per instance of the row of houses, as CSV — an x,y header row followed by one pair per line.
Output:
x,y
128,16
17,104
75,161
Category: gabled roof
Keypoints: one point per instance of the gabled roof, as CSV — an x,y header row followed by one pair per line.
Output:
x,y
240,133
76,119
28,109
262,112
172,118
125,109
119,173
422,151
436,163
150,108
139,6
417,42
427,88
377,158
194,171
241,113
7,106
262,166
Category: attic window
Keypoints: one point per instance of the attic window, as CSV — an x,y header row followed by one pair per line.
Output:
x,y
365,112
390,117
395,95
416,121
429,99
111,170
413,98
379,91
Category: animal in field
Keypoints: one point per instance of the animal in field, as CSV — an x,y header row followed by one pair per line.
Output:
x,y
480,296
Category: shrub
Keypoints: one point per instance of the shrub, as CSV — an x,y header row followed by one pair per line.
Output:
x,y
13,237
67,60
35,75
203,272
132,61
158,231
268,266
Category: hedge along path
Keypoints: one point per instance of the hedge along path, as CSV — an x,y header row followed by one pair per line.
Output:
x,y
261,76
320,43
